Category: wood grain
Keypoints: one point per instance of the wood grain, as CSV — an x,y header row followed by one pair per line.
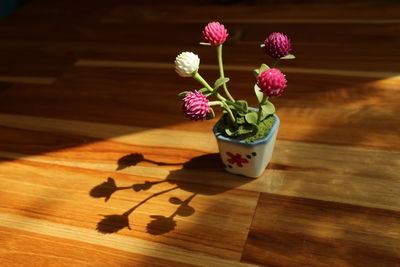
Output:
x,y
43,249
333,109
98,167
300,169
290,231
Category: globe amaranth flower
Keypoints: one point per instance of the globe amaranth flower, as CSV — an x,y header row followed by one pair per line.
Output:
x,y
277,45
215,33
186,63
271,82
195,106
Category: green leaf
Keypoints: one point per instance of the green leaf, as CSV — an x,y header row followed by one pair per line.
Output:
x,y
205,91
210,114
203,43
267,109
240,120
256,72
243,104
244,130
240,106
288,57
258,93
251,117
230,132
220,82
242,113
182,94
255,128
264,67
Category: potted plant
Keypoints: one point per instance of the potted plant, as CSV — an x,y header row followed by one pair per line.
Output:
x,y
245,135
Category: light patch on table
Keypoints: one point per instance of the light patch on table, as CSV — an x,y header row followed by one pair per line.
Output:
x,y
128,244
298,169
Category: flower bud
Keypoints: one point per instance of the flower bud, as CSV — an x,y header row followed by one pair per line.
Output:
x,y
215,33
277,45
271,82
186,63
195,106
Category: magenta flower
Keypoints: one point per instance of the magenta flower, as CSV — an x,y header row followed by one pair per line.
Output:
x,y
195,106
271,82
277,45
215,33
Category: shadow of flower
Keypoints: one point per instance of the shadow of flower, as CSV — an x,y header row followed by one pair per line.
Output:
x,y
105,189
129,160
145,186
135,158
113,223
197,177
160,225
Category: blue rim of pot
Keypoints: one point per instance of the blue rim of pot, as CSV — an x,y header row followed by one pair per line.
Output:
x,y
232,140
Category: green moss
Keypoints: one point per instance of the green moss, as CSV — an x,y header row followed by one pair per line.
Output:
x,y
248,137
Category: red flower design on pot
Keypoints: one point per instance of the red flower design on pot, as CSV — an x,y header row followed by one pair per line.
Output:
x,y
236,159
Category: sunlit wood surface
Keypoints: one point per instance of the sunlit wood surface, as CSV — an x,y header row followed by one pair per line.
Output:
x,y
99,167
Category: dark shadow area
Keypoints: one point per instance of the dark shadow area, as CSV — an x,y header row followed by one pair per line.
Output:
x,y
134,158
195,177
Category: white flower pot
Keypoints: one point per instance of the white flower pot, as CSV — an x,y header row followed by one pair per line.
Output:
x,y
248,159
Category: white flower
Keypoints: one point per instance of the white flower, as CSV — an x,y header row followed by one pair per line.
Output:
x,y
186,63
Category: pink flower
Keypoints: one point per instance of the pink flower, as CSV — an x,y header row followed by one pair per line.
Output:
x,y
215,33
195,106
277,45
271,82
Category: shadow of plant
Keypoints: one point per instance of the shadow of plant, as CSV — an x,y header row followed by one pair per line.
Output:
x,y
184,179
133,159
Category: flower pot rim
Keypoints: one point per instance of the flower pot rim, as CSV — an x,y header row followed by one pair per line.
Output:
x,y
260,141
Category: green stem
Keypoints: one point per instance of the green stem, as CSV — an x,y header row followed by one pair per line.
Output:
x,y
200,79
264,98
221,71
220,97
275,62
224,104
203,82
231,117
215,103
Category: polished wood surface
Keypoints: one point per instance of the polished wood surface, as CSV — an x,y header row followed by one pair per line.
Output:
x,y
99,167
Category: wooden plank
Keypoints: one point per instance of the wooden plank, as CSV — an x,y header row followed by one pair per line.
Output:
x,y
165,65
130,245
311,55
359,176
329,196
311,108
290,231
20,247
26,79
5,85
367,13
200,225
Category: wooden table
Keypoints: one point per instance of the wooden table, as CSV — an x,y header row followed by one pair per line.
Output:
x,y
99,166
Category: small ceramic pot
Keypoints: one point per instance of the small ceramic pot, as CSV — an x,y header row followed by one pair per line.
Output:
x,y
248,159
